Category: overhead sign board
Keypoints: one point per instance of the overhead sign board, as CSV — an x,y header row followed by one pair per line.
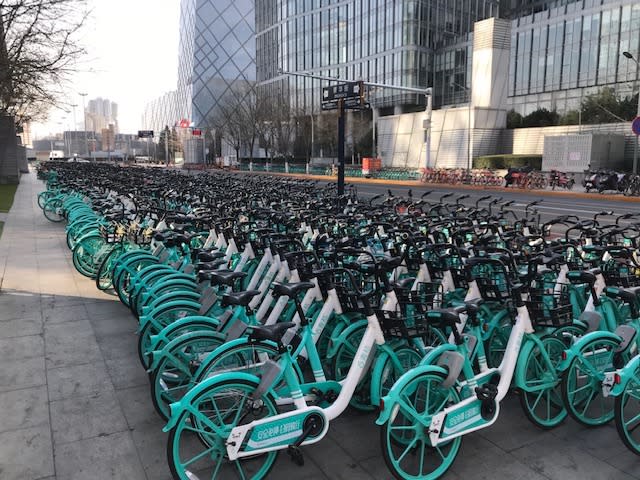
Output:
x,y
350,93
349,103
342,90
145,133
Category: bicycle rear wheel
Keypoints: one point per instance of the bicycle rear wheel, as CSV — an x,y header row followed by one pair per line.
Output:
x,y
406,447
627,414
194,450
582,385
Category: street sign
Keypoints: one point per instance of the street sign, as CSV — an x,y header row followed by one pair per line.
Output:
x,y
342,90
196,132
145,133
635,126
357,103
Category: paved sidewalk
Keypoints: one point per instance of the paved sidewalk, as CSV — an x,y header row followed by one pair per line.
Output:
x,y
74,401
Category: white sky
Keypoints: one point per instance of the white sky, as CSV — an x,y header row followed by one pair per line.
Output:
x,y
132,58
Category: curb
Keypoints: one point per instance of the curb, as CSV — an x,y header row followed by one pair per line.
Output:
x,y
407,183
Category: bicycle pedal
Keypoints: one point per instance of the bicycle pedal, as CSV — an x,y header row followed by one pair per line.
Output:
x,y
487,392
296,455
486,395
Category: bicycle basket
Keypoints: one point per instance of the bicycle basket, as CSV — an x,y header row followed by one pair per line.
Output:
x,y
111,233
550,307
345,290
492,278
620,275
424,296
396,325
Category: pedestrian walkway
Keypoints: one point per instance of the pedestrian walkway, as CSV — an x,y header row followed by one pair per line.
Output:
x,y
74,401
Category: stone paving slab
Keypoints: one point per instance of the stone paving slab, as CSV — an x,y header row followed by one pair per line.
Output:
x,y
74,401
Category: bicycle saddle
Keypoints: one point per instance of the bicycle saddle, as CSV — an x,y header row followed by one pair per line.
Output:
x,y
404,283
582,277
239,298
225,277
388,264
209,256
290,289
628,295
446,317
270,332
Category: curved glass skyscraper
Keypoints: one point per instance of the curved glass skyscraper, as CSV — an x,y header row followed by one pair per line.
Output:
x,y
217,52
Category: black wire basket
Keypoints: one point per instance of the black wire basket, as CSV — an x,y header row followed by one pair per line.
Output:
x,y
440,260
493,280
419,297
396,325
550,307
347,294
111,233
620,274
409,320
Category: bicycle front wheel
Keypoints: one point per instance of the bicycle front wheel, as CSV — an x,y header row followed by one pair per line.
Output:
x,y
406,447
194,450
627,414
582,383
541,398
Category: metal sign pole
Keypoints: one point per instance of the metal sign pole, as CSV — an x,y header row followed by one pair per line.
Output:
x,y
340,147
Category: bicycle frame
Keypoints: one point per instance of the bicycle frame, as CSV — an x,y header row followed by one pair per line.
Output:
x,y
467,415
279,431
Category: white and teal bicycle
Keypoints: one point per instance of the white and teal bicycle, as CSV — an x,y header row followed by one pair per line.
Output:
x,y
430,408
234,424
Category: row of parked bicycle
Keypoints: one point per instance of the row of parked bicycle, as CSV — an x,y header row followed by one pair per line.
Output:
x,y
266,306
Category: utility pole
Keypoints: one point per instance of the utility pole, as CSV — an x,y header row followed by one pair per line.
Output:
x,y
84,123
341,116
166,147
635,145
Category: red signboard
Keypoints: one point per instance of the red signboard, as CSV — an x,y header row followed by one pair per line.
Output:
x,y
196,132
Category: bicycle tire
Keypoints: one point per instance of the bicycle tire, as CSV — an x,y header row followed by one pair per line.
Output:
x,y
627,423
423,397
190,433
578,388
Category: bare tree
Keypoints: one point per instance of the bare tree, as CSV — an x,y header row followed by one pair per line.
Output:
x,y
277,126
235,118
38,51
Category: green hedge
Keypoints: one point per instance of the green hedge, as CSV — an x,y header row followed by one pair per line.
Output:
x,y
496,162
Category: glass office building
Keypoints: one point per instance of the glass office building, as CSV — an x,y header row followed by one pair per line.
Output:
x,y
413,43
564,50
217,54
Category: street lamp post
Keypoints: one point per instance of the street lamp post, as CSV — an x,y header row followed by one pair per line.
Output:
x,y
635,147
84,124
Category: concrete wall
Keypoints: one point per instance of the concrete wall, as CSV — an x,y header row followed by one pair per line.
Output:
x,y
531,140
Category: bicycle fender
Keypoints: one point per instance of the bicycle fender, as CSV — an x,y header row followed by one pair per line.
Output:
x,y
165,299
184,404
144,319
519,373
625,374
177,283
576,349
376,374
338,339
156,355
224,348
432,356
389,402
184,321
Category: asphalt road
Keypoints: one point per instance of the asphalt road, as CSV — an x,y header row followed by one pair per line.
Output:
x,y
549,206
